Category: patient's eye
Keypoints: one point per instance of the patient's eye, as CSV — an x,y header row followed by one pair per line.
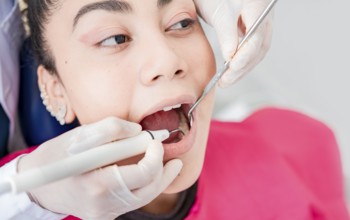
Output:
x,y
184,24
115,40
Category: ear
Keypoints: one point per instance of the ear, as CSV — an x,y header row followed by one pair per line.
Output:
x,y
54,96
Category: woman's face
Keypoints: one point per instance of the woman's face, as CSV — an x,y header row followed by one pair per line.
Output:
x,y
131,59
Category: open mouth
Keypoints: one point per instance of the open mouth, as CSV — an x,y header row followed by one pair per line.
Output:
x,y
170,118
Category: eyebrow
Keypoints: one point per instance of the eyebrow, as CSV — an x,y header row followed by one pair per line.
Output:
x,y
112,6
163,3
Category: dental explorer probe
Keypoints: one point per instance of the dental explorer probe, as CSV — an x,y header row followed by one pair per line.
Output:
x,y
83,162
226,66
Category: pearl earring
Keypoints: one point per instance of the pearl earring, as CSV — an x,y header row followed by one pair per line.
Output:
x,y
45,99
61,114
62,109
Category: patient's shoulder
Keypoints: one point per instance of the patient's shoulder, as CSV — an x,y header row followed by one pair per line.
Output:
x,y
306,144
292,131
279,126
289,120
303,142
273,149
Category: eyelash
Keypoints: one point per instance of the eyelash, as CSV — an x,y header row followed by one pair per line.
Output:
x,y
116,38
188,21
185,25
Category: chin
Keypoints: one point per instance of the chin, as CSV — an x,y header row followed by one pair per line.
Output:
x,y
193,160
185,180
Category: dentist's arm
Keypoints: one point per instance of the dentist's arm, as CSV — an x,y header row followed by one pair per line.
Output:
x,y
104,193
231,19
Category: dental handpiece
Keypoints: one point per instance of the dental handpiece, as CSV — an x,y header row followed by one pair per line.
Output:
x,y
83,162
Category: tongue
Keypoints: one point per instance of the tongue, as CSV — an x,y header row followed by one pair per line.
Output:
x,y
161,120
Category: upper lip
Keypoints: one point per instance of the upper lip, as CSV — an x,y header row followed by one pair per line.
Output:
x,y
184,99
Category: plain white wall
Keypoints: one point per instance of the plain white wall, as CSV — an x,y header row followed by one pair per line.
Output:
x,y
307,67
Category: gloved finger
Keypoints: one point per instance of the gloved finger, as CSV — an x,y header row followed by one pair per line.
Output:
x,y
225,25
109,183
254,50
104,131
119,181
139,175
122,198
262,52
248,52
227,35
245,70
252,10
170,171
268,36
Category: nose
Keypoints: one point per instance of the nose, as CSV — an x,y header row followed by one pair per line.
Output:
x,y
161,62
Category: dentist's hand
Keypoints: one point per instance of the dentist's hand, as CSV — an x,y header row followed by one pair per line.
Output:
x,y
231,19
107,192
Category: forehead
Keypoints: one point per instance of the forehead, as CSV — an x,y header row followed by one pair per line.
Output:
x,y
121,6
115,5
73,11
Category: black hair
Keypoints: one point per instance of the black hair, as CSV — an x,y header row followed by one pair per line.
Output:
x,y
38,15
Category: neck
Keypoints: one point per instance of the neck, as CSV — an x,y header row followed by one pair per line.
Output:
x,y
163,204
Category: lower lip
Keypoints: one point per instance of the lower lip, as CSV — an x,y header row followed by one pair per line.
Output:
x,y
177,149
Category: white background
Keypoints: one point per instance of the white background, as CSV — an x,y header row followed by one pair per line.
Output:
x,y
307,68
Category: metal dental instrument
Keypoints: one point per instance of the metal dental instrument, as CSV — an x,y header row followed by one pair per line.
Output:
x,y
83,162
177,130
226,66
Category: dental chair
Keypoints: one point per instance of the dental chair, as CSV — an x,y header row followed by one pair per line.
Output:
x,y
37,125
4,131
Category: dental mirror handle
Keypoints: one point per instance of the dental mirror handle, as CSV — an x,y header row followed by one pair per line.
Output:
x,y
226,66
83,162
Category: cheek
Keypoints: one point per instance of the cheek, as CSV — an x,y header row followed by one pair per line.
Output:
x,y
95,93
200,58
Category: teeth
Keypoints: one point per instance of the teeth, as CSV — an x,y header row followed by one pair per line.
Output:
x,y
166,109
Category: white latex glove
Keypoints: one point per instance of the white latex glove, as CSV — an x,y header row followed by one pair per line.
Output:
x,y
107,192
231,19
